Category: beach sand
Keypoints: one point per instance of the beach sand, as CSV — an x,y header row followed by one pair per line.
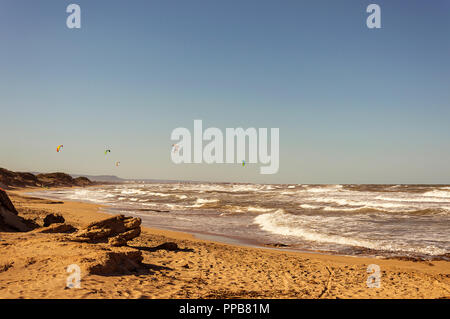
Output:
x,y
33,265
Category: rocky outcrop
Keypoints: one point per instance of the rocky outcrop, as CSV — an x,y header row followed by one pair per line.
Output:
x,y
82,181
57,229
61,179
113,262
9,219
53,219
19,179
116,231
6,202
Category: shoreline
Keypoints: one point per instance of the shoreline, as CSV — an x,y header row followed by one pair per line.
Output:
x,y
203,268
185,235
211,238
238,241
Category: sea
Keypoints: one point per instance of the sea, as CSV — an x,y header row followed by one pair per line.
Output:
x,y
368,220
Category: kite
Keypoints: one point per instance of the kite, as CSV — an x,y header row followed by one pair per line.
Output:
x,y
58,149
107,151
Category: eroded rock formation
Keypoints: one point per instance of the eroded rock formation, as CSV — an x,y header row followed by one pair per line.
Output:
x,y
53,219
9,219
116,231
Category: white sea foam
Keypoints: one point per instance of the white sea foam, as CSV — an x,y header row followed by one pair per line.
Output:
x,y
200,202
281,223
364,203
307,206
258,209
325,189
345,209
133,192
288,193
175,206
416,199
318,215
245,188
205,201
158,194
335,208
438,193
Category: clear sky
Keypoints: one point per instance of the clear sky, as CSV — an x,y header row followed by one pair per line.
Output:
x,y
354,105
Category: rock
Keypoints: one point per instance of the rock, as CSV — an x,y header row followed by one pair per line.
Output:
x,y
121,240
9,219
115,230
6,266
55,179
21,179
57,228
168,246
82,181
115,262
17,179
53,219
6,202
117,241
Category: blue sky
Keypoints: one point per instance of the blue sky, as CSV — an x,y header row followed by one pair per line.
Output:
x,y
354,105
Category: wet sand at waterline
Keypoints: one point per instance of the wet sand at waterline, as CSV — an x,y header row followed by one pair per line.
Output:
x,y
33,265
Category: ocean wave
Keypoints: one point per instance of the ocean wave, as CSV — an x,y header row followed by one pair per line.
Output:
x,y
90,195
372,217
308,206
258,209
438,193
288,193
325,189
133,191
174,206
349,209
358,209
201,202
158,194
245,188
416,199
282,223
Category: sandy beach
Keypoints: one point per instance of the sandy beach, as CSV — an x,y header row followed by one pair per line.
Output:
x,y
33,265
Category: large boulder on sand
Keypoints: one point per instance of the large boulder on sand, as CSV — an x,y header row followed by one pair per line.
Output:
x,y
53,219
6,202
115,230
9,219
118,261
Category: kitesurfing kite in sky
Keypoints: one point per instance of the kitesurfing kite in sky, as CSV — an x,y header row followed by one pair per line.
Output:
x,y
58,149
107,151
